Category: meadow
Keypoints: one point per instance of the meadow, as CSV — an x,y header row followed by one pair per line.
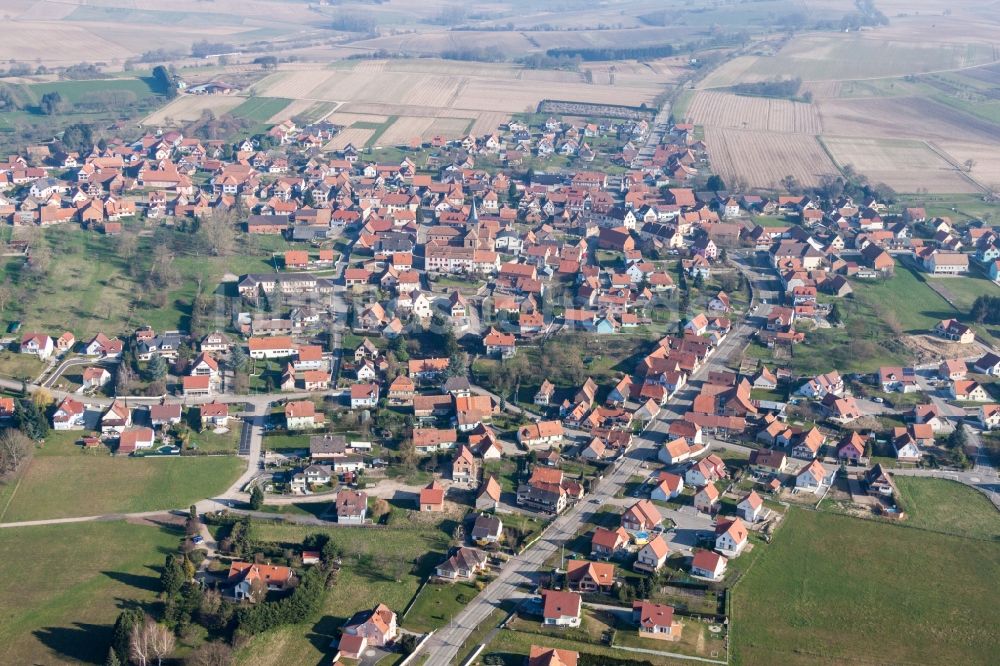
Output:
x,y
61,608
833,589
947,506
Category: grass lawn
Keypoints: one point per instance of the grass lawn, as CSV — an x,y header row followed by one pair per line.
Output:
x,y
513,646
62,607
58,486
948,506
20,366
825,573
915,304
436,605
962,291
380,566
286,442
209,441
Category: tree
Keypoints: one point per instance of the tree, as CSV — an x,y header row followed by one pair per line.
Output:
x,y
173,576
29,419
157,368
78,137
150,641
165,81
126,246
112,659
122,632
217,233
238,358
256,498
51,103
15,450
215,653
715,184
958,438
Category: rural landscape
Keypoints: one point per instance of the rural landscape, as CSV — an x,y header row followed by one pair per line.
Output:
x,y
396,333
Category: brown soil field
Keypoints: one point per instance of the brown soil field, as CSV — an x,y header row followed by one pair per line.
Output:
x,y
350,135
715,109
189,107
730,73
903,117
404,129
762,159
903,165
985,157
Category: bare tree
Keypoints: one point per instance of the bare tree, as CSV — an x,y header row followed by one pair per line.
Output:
x,y
162,642
217,233
127,246
149,641
16,448
215,653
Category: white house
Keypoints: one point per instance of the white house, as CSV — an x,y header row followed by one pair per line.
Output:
x,y
708,564
731,537
750,507
813,478
669,487
39,344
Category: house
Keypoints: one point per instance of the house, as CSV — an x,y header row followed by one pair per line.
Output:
x,y
487,529
464,564
561,608
989,416
364,396
851,448
215,414
543,397
906,447
544,491
351,647
813,478
69,415
676,451
200,385
952,369
764,379
987,364
940,262
352,507
464,466
655,621
432,497
488,496
377,626
653,555
541,434
928,414
37,344
94,378
956,331
586,576
708,564
731,536
131,440
607,544
750,507
102,345
302,415
822,385
499,344
879,482
546,656
401,391
164,415
967,390
902,380
244,575
706,499
668,487
705,471
117,417
807,445
271,347
643,516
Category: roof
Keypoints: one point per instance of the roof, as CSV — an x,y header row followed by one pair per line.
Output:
x,y
659,546
653,615
546,656
602,573
491,488
432,494
299,409
609,539
558,603
707,560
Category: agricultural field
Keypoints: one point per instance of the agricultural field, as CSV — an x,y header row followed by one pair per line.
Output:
x,y
190,107
261,109
714,109
904,165
62,608
825,572
437,97
762,159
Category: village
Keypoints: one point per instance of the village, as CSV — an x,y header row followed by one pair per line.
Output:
x,y
593,372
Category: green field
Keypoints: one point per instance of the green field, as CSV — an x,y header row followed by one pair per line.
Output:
x,y
62,486
89,288
260,109
915,304
380,566
948,506
833,589
437,605
962,291
61,608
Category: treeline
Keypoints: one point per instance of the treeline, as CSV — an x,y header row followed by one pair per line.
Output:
x,y
986,310
354,23
164,81
614,53
774,88
206,48
475,54
546,61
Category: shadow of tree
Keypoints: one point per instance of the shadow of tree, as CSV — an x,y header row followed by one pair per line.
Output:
x,y
81,642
